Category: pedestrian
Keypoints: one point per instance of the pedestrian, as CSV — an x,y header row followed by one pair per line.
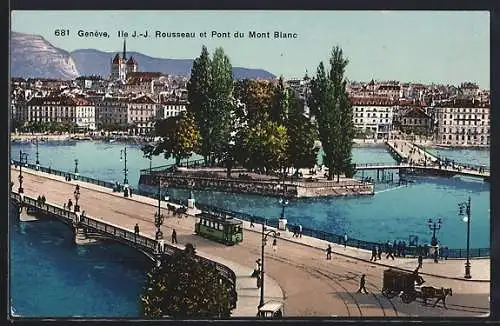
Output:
x,y
70,204
256,269
345,240
136,229
251,222
274,244
362,282
329,252
374,254
39,200
420,261
300,230
174,236
43,199
389,251
64,206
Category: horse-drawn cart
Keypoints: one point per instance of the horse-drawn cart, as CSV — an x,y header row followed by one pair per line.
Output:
x,y
401,283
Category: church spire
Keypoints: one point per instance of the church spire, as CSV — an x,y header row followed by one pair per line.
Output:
x,y
124,49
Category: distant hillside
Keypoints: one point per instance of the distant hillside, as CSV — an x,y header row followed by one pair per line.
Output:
x,y
32,56
95,62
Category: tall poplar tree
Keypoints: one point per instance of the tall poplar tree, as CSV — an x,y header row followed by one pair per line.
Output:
x,y
210,101
330,104
199,99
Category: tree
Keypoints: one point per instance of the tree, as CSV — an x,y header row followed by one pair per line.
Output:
x,y
302,134
330,104
198,97
279,103
184,286
180,137
265,146
210,96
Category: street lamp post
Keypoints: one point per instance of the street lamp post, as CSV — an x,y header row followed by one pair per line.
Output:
x,y
76,169
158,216
434,226
123,155
23,158
464,208
37,156
264,238
284,202
76,193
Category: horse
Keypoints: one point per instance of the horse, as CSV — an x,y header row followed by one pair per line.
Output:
x,y
431,292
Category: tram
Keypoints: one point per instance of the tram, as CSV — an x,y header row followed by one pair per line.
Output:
x,y
220,227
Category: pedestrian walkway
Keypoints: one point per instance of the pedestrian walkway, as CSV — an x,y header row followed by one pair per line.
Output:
x,y
451,268
246,287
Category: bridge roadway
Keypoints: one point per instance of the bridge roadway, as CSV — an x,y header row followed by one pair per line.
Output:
x,y
312,285
420,159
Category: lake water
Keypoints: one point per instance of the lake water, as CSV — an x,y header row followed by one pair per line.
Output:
x,y
104,280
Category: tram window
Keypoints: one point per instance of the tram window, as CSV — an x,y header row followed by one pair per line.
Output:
x,y
221,227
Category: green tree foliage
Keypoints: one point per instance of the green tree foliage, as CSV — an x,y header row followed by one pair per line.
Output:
x,y
279,103
256,97
210,101
265,146
302,134
330,104
180,137
183,286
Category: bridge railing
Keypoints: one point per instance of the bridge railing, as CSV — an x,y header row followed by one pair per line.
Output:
x,y
334,238
468,166
139,240
50,208
364,165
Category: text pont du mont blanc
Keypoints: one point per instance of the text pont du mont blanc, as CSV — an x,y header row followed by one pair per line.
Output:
x,y
162,34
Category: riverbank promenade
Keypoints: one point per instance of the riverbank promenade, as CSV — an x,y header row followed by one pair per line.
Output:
x,y
308,284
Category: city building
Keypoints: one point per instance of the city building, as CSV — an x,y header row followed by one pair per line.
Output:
x,y
141,113
373,115
144,82
65,109
111,112
463,122
121,66
170,108
413,120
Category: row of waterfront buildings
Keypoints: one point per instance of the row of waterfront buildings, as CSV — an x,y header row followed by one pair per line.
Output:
x,y
458,121
135,100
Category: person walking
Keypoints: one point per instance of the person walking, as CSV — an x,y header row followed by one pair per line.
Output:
x,y
362,282
420,261
251,222
329,252
174,236
256,269
374,254
345,240
136,229
275,245
70,204
300,230
390,250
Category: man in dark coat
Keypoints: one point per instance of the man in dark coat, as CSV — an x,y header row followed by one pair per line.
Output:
x,y
362,282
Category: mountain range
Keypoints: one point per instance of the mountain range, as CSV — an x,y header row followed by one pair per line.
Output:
x,y
32,56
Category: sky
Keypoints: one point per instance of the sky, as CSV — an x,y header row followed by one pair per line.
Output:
x,y
447,47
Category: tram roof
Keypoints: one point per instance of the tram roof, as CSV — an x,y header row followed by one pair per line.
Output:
x,y
229,220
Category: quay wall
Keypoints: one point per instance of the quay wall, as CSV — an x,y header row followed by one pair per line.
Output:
x,y
292,189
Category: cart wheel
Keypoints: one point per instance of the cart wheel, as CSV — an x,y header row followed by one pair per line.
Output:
x,y
389,294
407,297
